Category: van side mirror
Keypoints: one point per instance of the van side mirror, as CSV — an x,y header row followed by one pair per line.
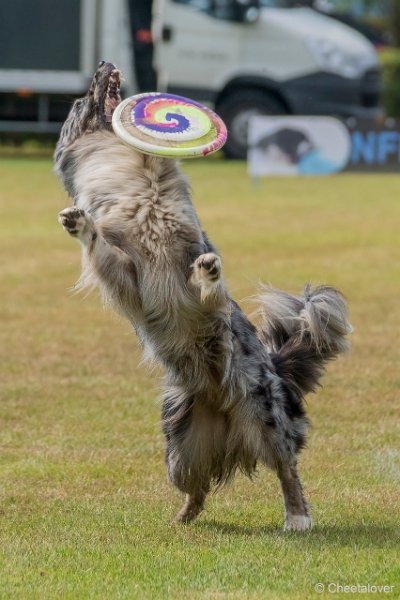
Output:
x,y
249,10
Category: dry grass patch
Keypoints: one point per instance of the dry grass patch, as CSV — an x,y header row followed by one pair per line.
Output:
x,y
85,505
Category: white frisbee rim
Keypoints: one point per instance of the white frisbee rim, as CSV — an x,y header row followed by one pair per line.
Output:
x,y
166,151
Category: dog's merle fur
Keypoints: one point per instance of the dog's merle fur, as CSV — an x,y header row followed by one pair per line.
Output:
x,y
233,394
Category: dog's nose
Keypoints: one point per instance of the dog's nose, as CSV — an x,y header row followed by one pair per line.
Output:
x,y
101,63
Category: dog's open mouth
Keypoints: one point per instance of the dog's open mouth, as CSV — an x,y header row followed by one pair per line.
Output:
x,y
112,96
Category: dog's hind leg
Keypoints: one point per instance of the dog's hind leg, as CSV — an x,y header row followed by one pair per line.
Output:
x,y
297,517
196,447
185,473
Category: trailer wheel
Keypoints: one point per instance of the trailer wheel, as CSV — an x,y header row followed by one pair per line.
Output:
x,y
236,110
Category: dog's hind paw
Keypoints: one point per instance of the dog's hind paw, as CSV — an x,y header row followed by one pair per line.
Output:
x,y
188,513
187,516
77,223
297,523
193,506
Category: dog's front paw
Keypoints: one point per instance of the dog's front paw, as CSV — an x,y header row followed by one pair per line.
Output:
x,y
77,223
207,267
207,274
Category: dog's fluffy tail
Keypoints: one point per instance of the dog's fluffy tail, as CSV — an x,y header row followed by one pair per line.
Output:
x,y
304,332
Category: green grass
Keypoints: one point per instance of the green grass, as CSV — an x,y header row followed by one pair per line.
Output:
x,y
85,507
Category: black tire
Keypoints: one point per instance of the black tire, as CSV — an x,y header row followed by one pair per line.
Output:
x,y
239,106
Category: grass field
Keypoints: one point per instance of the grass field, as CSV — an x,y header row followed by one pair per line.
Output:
x,y
85,507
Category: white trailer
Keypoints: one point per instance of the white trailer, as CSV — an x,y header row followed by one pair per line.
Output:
x,y
48,53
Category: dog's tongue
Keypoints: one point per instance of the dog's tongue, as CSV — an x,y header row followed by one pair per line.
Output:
x,y
109,107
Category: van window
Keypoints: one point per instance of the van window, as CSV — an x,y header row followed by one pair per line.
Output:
x,y
227,10
284,3
199,4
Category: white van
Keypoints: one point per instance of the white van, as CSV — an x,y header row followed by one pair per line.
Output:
x,y
253,57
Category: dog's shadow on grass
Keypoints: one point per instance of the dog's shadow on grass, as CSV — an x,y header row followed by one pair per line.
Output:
x,y
360,535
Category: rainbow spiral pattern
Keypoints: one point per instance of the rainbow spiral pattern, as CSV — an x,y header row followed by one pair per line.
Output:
x,y
169,125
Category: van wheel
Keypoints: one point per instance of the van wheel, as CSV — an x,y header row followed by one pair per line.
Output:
x,y
236,110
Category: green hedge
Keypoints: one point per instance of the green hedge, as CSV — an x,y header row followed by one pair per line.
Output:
x,y
391,73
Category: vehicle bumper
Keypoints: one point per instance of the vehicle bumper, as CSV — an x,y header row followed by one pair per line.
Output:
x,y
330,94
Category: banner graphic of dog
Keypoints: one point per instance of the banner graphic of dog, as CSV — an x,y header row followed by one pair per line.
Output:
x,y
321,146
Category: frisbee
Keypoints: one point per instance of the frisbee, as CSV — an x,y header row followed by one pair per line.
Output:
x,y
168,125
